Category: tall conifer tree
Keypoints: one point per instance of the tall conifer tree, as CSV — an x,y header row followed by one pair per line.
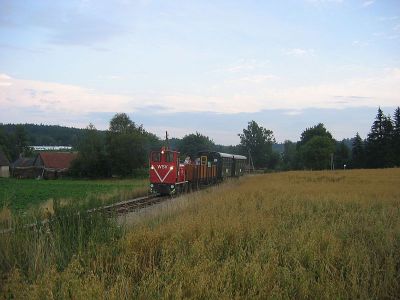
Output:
x,y
388,142
375,142
396,136
358,153
379,146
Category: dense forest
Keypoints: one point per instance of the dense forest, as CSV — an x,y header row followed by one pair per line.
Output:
x,y
46,135
122,150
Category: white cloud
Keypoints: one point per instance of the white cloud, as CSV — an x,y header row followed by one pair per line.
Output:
x,y
293,112
4,77
113,77
368,3
299,52
385,19
242,65
229,97
108,78
5,80
254,79
360,43
382,89
48,96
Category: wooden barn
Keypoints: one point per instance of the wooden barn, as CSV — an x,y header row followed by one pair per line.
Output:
x,y
48,165
54,165
24,167
4,165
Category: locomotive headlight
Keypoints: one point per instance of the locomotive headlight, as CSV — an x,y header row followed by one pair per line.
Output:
x,y
171,167
151,185
152,167
162,152
172,186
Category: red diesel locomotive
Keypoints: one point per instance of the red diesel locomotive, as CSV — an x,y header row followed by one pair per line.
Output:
x,y
168,176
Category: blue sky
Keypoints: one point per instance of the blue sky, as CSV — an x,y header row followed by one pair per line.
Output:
x,y
207,66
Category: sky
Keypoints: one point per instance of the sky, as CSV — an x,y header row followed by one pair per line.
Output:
x,y
205,66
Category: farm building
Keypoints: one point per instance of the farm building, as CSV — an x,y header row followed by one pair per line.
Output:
x,y
4,165
54,164
48,165
23,168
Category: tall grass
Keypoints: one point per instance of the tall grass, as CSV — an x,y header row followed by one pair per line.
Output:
x,y
28,255
286,235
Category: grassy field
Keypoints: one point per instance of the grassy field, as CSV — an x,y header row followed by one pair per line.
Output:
x,y
19,194
287,235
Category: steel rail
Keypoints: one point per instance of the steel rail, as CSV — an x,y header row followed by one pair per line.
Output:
x,y
124,207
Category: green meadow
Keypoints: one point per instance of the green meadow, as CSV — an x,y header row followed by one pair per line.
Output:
x,y
21,194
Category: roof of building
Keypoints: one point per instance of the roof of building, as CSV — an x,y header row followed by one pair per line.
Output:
x,y
23,162
3,159
241,157
57,160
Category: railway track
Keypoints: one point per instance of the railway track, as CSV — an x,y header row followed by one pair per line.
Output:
x,y
115,209
121,208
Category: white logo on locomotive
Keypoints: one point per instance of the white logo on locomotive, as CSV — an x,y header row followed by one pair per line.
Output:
x,y
162,167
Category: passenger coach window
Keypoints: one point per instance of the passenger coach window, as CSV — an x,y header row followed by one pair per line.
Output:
x,y
156,157
169,157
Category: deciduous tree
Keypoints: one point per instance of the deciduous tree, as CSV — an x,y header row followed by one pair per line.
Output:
x,y
258,141
316,147
92,160
289,155
125,144
316,153
192,143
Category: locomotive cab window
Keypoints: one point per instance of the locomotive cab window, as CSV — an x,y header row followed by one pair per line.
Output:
x,y
156,156
169,156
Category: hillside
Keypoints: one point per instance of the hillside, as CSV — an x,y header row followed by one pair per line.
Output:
x,y
47,135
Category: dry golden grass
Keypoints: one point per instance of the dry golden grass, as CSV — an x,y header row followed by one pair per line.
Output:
x,y
5,217
285,235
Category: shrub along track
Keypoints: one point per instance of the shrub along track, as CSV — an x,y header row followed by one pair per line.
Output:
x,y
115,209
119,208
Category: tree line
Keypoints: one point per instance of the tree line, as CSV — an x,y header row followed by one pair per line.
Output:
x,y
381,148
14,143
46,135
123,149
317,149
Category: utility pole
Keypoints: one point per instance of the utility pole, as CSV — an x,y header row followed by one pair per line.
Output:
x,y
251,160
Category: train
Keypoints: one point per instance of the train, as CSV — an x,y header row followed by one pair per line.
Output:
x,y
169,176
